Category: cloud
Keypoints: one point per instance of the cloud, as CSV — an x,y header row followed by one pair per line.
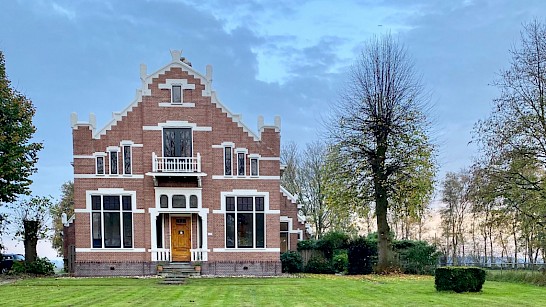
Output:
x,y
63,11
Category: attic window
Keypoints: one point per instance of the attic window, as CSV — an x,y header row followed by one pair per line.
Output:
x,y
177,94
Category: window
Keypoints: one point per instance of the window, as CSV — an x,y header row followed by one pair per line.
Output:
x,y
285,237
179,201
254,167
177,142
113,162
177,94
163,201
127,160
193,201
227,161
112,221
100,165
240,164
245,223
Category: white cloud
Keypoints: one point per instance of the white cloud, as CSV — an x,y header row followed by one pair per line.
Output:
x,y
63,11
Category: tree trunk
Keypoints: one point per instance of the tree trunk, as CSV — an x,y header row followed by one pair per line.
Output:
x,y
30,240
384,263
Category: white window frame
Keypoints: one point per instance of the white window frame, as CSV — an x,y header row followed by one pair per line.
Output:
x,y
231,163
102,211
257,158
110,150
244,152
181,94
130,145
102,155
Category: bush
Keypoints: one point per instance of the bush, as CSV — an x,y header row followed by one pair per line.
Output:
x,y
340,262
291,262
459,279
42,266
417,257
331,242
306,245
318,265
362,254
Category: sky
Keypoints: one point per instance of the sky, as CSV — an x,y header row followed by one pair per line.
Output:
x,y
287,58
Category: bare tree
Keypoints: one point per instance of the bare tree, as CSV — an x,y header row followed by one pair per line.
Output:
x,y
31,220
379,124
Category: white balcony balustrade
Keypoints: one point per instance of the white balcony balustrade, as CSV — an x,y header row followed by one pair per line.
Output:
x,y
176,164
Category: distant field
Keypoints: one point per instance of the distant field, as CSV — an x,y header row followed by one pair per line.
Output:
x,y
309,290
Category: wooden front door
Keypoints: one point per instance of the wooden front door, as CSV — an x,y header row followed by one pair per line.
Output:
x,y
181,238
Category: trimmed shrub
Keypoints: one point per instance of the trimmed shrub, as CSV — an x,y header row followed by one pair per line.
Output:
x,y
42,266
291,262
340,262
318,265
459,279
362,254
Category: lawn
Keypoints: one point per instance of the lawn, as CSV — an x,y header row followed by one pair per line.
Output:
x,y
310,290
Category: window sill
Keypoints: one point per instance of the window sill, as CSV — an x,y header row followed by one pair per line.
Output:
x,y
110,250
177,105
246,250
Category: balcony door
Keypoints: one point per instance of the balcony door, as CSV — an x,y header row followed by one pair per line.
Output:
x,y
177,142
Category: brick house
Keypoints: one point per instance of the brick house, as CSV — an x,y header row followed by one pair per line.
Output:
x,y
177,177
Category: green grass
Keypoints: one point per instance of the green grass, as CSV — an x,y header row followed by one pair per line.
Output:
x,y
311,290
534,277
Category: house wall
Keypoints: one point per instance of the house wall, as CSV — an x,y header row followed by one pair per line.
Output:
x,y
140,124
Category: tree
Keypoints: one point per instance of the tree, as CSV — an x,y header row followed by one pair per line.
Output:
x,y
290,160
456,195
66,206
379,124
18,154
311,178
31,219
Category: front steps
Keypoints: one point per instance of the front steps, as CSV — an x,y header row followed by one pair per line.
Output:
x,y
175,273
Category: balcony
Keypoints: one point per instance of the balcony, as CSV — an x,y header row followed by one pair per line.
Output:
x,y
173,165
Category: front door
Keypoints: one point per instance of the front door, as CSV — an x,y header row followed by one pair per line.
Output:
x,y
180,239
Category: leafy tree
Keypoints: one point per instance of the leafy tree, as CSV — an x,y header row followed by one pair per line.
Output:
x,y
455,194
31,219
18,154
380,124
66,206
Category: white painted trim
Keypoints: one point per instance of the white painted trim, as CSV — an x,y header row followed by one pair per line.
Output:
x,y
288,195
138,145
123,145
246,177
176,124
247,250
270,158
257,167
177,105
107,176
112,148
110,250
84,156
224,160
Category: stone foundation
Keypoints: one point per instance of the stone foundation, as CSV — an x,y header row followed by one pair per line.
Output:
x,y
238,268
115,268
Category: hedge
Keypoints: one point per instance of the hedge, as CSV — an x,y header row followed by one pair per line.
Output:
x,y
459,279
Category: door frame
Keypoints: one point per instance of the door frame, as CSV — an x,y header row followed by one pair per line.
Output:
x,y
178,215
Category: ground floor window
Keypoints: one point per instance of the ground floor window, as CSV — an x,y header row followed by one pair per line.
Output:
x,y
112,221
245,222
285,237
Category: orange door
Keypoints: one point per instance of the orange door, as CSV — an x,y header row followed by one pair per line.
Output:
x,y
180,239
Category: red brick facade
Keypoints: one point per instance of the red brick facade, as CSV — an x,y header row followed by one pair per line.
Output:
x,y
137,136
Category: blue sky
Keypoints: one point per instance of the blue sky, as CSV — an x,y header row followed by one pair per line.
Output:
x,y
286,58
